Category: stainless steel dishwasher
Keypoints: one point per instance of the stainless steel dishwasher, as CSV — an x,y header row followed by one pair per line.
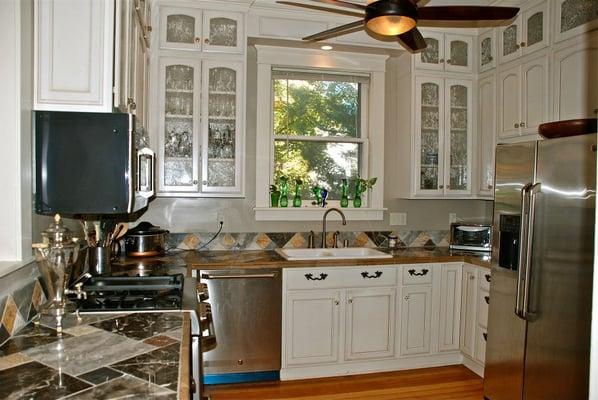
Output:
x,y
247,318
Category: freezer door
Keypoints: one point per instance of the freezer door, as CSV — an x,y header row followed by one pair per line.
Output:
x,y
559,297
503,375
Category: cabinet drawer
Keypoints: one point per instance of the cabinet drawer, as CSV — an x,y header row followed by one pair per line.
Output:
x,y
480,346
483,301
369,276
417,274
314,278
485,279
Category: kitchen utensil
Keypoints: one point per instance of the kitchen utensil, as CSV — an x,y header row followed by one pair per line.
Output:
x,y
98,261
145,240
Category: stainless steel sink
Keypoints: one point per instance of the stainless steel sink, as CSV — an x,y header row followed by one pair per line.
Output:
x,y
331,254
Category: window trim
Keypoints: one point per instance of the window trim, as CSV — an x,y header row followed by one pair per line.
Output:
x,y
268,57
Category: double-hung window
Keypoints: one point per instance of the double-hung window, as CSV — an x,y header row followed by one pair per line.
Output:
x,y
319,129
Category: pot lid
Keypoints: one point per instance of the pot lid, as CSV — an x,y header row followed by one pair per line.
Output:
x,y
146,228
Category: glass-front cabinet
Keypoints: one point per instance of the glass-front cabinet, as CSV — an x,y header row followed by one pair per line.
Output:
x,y
528,33
223,32
446,52
574,17
180,28
443,125
487,50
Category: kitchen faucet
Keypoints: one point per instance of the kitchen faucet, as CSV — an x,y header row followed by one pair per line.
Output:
x,y
324,223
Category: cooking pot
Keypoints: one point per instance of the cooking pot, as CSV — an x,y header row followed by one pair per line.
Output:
x,y
145,240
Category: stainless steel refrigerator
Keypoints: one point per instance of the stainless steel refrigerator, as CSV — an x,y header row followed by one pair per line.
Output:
x,y
538,344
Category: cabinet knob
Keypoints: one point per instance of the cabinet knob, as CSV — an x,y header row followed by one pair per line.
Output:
x,y
204,182
448,61
206,41
350,301
471,277
448,187
490,58
195,182
406,298
336,302
595,110
522,44
516,125
441,61
490,186
149,28
517,46
197,40
522,124
440,187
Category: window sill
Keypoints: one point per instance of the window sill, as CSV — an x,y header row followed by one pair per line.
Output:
x,y
316,214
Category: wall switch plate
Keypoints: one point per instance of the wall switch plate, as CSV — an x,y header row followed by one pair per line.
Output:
x,y
398,218
452,218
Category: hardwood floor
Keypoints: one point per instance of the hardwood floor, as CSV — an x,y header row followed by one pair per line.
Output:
x,y
442,383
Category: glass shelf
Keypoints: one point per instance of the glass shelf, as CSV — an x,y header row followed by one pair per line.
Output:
x,y
222,93
181,116
178,91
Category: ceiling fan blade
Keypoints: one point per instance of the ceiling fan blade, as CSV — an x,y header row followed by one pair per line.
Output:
x,y
319,8
465,16
342,3
412,41
337,31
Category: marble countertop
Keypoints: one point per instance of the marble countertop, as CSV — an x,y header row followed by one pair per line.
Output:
x,y
109,356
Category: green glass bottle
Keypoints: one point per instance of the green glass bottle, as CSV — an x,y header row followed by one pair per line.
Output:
x,y
344,196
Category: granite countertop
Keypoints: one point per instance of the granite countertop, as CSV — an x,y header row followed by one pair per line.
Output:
x,y
221,259
109,356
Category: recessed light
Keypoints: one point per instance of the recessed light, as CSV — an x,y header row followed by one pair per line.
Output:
x,y
326,47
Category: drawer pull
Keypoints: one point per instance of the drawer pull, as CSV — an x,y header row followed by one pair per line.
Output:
x,y
376,275
485,336
487,276
413,273
310,277
487,299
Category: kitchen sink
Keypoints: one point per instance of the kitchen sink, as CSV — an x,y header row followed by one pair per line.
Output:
x,y
332,254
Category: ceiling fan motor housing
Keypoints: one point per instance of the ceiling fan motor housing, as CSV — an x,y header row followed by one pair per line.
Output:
x,y
391,17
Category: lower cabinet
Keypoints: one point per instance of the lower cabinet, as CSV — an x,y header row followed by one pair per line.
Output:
x,y
416,313
468,310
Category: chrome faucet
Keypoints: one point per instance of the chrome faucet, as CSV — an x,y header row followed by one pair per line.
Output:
x,y
324,223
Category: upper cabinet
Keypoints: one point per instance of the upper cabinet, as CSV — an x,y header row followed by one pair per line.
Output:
x,y
201,30
528,33
446,52
486,134
574,17
487,50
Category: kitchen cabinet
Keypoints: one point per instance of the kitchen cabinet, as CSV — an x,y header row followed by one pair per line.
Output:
x,y
468,310
416,310
528,33
450,307
487,50
486,134
443,125
574,17
446,52
523,97
575,82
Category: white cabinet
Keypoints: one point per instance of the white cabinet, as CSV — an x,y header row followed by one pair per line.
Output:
x,y
446,52
523,98
180,28
528,33
487,50
575,80
443,145
574,17
370,323
450,308
223,32
312,327
486,134
468,310
73,57
416,310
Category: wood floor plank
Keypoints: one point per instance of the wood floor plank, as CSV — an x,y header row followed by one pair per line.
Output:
x,y
441,383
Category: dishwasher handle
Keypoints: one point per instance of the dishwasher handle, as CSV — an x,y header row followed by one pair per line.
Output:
x,y
240,276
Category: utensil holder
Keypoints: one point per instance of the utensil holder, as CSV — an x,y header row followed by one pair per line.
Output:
x,y
98,261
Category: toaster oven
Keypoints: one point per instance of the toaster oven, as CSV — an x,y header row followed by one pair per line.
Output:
x,y
473,237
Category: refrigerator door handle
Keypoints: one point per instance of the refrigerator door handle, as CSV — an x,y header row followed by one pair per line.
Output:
x,y
533,191
522,247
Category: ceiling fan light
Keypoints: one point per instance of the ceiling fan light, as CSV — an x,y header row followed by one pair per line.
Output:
x,y
390,25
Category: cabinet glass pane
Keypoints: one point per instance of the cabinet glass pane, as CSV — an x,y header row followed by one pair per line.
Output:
x,y
535,28
431,54
180,28
458,150
509,40
223,32
430,112
222,101
178,126
459,54
577,12
486,50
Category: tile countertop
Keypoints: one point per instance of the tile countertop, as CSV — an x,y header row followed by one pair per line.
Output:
x,y
109,356
251,258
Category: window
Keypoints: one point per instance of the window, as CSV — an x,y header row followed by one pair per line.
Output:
x,y
319,129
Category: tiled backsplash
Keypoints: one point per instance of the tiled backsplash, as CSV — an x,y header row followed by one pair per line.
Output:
x,y
269,241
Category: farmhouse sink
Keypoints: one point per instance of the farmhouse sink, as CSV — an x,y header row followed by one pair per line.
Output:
x,y
331,254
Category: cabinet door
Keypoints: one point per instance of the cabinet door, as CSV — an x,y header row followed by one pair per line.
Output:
x,y
509,103
487,134
468,310
312,327
574,17
575,81
180,28
535,28
124,54
429,127
450,307
487,50
370,323
223,32
222,97
534,95
415,319
179,84
433,56
458,136
510,41
480,347
458,53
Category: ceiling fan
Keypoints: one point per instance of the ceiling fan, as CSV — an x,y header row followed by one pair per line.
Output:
x,y
400,18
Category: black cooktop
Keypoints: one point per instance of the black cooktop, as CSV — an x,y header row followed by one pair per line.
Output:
x,y
132,293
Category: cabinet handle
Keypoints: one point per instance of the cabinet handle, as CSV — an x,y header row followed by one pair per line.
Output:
x,y
195,181
490,186
131,103
197,40
441,61
448,187
522,124
310,277
522,44
471,277
204,182
487,276
413,273
350,301
440,187
207,41
517,46
376,275
487,299
448,61
336,302
516,125
406,298
485,336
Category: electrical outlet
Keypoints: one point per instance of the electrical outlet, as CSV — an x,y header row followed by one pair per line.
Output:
x,y
452,218
398,218
220,217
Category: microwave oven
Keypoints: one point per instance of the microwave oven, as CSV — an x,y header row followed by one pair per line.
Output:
x,y
87,163
472,237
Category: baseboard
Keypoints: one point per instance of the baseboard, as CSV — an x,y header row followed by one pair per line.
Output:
x,y
474,366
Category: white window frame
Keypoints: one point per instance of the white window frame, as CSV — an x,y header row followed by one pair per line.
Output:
x,y
269,57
